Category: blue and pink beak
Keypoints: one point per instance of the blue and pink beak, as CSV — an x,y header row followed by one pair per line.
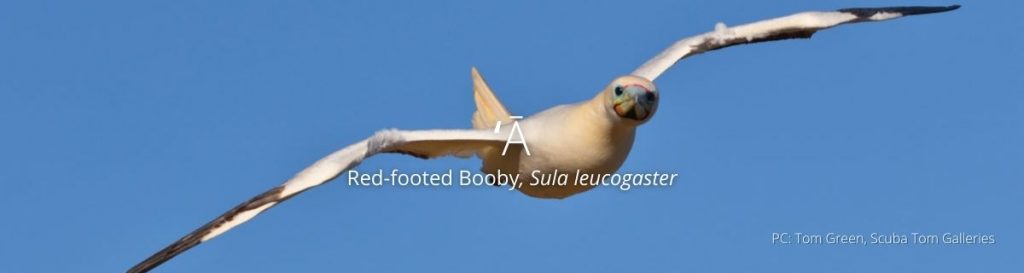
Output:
x,y
634,101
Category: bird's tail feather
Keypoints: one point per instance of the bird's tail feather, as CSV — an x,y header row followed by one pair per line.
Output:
x,y
488,109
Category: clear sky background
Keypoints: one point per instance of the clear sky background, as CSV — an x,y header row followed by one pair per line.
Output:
x,y
125,125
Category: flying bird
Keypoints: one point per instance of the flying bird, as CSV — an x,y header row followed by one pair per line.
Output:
x,y
593,136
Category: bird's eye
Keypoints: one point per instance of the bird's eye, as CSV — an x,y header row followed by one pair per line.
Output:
x,y
618,91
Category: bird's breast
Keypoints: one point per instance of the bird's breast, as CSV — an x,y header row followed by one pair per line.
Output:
x,y
563,148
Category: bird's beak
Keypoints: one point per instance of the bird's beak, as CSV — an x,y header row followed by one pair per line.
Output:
x,y
636,103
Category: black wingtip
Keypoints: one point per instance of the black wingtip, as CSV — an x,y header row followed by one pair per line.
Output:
x,y
195,238
904,11
940,9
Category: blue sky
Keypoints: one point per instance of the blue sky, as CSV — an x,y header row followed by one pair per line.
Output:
x,y
128,124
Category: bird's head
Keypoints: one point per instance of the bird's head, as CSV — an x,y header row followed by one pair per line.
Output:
x,y
632,98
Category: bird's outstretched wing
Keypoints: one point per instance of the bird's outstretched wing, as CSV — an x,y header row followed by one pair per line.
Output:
x,y
422,144
796,26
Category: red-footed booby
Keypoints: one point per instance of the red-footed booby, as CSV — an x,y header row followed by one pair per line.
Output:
x,y
593,136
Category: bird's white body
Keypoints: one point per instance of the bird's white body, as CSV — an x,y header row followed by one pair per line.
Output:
x,y
565,138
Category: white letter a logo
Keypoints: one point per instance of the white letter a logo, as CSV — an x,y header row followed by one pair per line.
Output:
x,y
515,130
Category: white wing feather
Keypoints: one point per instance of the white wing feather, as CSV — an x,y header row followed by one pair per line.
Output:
x,y
423,144
800,25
